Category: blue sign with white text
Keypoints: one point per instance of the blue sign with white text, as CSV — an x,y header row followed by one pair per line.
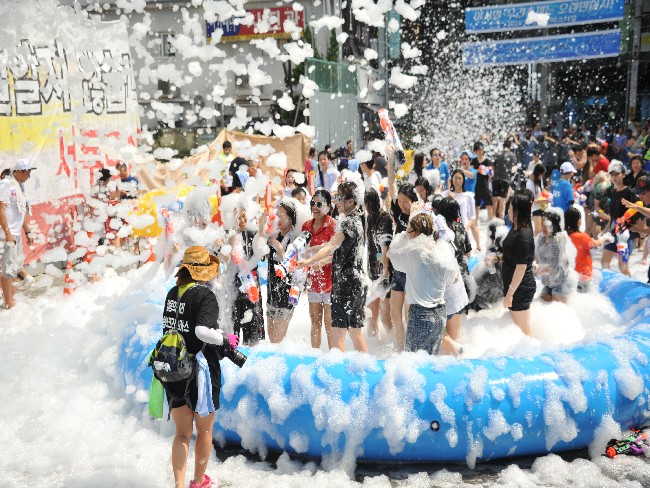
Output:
x,y
567,47
536,15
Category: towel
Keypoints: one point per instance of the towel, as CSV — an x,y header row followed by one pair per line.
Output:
x,y
204,403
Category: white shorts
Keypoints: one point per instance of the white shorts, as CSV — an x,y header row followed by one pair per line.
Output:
x,y
11,257
315,297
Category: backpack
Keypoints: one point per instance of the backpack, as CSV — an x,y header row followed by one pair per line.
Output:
x,y
171,362
170,359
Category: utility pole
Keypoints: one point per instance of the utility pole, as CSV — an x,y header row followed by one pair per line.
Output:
x,y
633,70
386,58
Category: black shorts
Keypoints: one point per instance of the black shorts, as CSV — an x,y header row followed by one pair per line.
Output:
x,y
500,188
349,311
538,213
177,389
483,197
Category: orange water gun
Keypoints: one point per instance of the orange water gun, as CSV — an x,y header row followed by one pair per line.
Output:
x,y
390,134
625,222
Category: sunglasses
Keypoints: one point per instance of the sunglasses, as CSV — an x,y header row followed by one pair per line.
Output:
x,y
316,204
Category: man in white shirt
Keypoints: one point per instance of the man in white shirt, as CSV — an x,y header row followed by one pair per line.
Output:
x,y
326,174
13,210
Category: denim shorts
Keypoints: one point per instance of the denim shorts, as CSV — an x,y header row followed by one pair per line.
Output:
x,y
425,328
398,281
315,297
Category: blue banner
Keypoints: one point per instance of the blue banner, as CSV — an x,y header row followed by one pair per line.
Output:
x,y
567,47
511,17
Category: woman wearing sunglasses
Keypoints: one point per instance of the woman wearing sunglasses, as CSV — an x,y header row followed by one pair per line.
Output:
x,y
319,280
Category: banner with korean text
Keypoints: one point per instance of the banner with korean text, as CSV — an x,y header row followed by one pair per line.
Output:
x,y
547,49
556,13
67,100
259,23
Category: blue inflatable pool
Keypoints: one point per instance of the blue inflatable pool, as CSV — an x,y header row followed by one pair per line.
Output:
x,y
417,408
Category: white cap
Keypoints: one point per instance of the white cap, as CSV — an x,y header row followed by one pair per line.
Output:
x,y
616,166
567,168
23,165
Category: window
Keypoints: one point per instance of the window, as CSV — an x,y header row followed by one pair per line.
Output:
x,y
160,44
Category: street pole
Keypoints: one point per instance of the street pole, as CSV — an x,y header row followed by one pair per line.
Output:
x,y
633,71
386,58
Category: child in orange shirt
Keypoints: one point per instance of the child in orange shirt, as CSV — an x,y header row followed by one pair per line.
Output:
x,y
583,243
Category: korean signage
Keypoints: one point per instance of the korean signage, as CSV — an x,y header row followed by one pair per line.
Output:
x,y
259,23
568,47
509,17
67,93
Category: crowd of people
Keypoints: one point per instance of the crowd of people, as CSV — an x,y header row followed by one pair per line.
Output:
x,y
398,246
374,250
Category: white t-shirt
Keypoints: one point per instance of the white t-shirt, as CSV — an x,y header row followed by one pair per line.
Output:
x,y
16,204
466,203
537,191
430,267
373,181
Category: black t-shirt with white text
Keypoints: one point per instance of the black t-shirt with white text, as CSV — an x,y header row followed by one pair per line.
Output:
x,y
197,306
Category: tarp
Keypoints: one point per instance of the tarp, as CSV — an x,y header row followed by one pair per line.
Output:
x,y
197,167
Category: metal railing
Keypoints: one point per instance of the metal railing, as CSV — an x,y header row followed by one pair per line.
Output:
x,y
332,77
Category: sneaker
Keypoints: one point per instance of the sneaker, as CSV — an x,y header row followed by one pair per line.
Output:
x,y
207,483
29,281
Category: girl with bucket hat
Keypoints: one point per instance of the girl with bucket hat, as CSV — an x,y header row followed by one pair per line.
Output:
x,y
191,309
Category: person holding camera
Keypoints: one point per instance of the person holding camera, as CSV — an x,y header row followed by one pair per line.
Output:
x,y
191,309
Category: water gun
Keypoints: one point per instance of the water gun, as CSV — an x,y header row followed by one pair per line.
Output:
x,y
579,196
621,245
486,170
167,221
635,444
271,226
545,199
390,134
268,198
249,285
291,255
625,222
294,295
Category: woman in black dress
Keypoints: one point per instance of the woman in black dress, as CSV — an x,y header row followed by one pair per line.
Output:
x,y
518,254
